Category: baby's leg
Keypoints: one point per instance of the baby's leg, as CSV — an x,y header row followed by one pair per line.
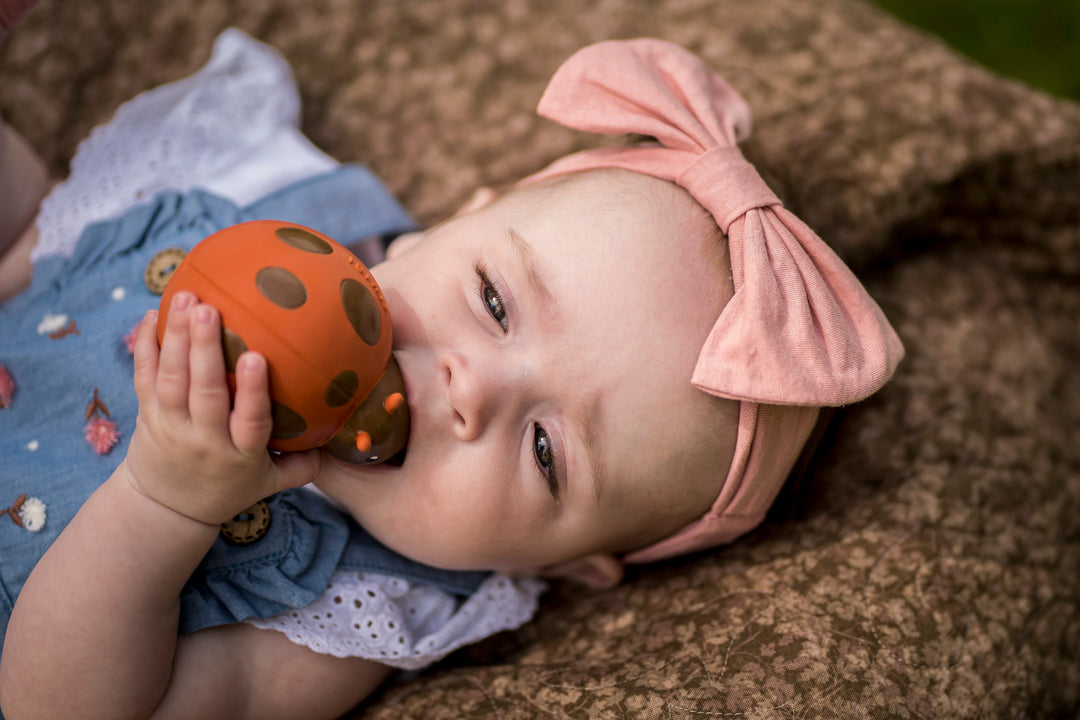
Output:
x,y
23,183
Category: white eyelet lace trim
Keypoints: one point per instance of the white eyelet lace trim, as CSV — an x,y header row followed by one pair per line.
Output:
x,y
402,624
230,128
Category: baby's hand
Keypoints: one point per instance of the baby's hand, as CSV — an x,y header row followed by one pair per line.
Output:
x,y
190,451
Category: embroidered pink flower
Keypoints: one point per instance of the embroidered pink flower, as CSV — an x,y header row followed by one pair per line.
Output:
x,y
101,434
129,339
7,387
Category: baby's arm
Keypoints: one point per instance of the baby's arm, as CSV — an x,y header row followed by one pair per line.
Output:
x,y
94,631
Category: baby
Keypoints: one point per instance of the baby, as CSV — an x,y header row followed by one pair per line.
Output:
x,y
616,361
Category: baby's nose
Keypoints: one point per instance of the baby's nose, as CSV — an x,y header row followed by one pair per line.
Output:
x,y
474,393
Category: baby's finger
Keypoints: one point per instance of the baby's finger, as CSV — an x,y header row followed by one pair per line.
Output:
x,y
146,357
208,398
250,422
173,379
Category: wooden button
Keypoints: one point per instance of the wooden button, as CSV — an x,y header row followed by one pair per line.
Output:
x,y
249,526
160,269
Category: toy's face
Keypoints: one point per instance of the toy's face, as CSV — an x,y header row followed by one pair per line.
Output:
x,y
314,311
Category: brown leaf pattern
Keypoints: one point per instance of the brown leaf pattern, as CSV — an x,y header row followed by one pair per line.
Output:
x,y
932,568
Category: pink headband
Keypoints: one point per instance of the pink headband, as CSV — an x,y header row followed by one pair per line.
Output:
x,y
799,333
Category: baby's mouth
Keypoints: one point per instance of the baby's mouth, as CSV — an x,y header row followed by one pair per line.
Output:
x,y
378,430
399,459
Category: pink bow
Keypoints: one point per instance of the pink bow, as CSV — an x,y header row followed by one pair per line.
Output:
x,y
800,329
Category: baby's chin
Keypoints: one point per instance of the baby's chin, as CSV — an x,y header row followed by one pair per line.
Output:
x,y
341,490
317,487
350,485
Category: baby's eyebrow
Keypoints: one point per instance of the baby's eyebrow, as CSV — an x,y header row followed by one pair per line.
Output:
x,y
528,266
592,449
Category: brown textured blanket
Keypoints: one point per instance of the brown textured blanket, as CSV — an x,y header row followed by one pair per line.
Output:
x,y
931,565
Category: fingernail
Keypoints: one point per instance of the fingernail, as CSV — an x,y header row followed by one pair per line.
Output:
x,y
250,362
182,301
203,315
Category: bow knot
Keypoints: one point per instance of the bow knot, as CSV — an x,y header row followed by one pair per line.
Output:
x,y
726,184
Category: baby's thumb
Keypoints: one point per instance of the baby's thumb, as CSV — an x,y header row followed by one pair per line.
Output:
x,y
296,469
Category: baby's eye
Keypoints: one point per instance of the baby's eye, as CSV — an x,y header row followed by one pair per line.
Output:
x,y
544,452
493,302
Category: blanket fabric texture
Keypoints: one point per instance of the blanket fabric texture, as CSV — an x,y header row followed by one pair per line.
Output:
x,y
930,565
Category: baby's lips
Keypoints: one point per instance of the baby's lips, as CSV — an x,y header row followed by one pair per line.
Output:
x,y
379,428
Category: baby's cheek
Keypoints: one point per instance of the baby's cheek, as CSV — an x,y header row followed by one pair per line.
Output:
x,y
448,529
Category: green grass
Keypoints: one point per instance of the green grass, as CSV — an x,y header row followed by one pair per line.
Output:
x,y
1037,41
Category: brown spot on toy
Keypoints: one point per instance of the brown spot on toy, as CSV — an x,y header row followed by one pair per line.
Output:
x,y
288,423
281,287
303,240
234,347
342,388
362,311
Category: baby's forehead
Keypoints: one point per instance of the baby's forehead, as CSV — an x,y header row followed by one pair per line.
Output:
x,y
599,198
642,210
622,255
605,188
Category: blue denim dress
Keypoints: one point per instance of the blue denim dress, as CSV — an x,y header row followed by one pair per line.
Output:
x,y
63,343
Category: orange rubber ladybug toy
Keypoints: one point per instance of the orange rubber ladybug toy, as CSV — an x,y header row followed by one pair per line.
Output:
x,y
315,312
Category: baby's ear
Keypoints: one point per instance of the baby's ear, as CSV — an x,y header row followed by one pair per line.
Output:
x,y
481,197
596,571
403,243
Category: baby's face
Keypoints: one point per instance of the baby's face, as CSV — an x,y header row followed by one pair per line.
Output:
x,y
547,341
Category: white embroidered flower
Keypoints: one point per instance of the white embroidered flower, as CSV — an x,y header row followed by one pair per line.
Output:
x,y
51,323
32,514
